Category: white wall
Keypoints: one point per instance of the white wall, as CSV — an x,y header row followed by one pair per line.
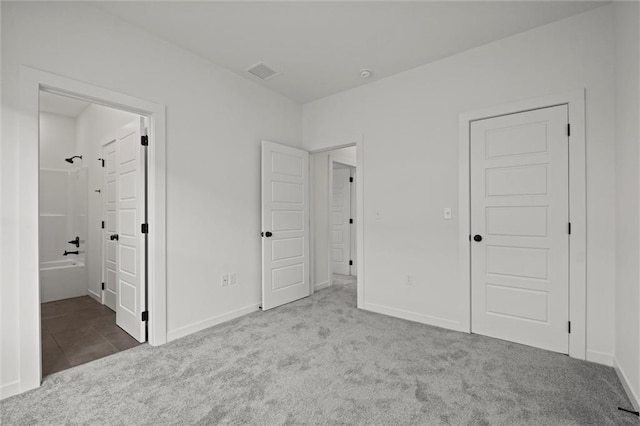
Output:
x,y
409,124
215,122
57,141
95,126
346,156
627,116
320,193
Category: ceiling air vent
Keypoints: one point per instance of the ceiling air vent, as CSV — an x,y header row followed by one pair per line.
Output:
x,y
262,71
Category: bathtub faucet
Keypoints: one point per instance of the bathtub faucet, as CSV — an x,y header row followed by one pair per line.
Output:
x,y
75,242
70,252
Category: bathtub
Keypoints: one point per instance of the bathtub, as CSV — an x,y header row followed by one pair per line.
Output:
x,y
62,279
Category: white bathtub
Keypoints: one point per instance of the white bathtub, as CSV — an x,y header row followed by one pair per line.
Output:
x,y
62,279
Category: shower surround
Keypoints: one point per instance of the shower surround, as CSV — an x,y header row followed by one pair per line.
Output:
x,y
63,218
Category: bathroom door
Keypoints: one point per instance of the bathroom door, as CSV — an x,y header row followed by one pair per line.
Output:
x,y
130,239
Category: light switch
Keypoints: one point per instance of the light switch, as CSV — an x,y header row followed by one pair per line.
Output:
x,y
447,212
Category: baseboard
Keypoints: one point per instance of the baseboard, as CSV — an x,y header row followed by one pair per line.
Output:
x,y
321,286
9,389
600,358
219,319
633,397
96,296
414,316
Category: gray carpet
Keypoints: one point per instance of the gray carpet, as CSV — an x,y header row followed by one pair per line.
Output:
x,y
322,361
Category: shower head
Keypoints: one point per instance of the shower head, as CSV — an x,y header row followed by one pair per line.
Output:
x,y
70,159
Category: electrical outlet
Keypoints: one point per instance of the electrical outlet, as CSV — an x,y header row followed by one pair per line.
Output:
x,y
224,280
232,278
409,279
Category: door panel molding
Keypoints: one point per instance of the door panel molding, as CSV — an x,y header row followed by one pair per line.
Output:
x,y
575,101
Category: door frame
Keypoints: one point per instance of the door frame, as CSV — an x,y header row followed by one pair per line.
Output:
x,y
32,81
338,143
575,101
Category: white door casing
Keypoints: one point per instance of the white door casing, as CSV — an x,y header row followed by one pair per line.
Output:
x,y
519,179
285,224
340,215
32,81
109,213
131,242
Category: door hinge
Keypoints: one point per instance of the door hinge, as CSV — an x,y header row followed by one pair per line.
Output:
x,y
351,263
569,228
102,161
568,129
144,140
350,179
145,228
102,286
569,327
103,224
145,316
350,220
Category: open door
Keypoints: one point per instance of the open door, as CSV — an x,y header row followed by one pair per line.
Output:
x,y
285,224
110,225
340,221
130,239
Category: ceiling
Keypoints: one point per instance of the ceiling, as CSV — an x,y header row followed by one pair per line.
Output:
x,y
320,47
61,105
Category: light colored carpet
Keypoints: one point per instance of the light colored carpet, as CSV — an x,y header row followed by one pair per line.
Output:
x,y
321,361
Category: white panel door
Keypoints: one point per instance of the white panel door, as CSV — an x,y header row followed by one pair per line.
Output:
x,y
519,214
285,224
354,244
131,291
339,217
109,206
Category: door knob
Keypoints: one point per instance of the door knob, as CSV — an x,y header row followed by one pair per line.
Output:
x,y
114,237
477,238
267,234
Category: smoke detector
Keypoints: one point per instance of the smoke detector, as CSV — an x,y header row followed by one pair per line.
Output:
x,y
262,71
365,73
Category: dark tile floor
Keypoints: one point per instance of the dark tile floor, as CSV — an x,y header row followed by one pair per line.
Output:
x,y
79,330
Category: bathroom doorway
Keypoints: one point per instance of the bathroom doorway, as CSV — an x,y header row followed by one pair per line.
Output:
x,y
78,235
